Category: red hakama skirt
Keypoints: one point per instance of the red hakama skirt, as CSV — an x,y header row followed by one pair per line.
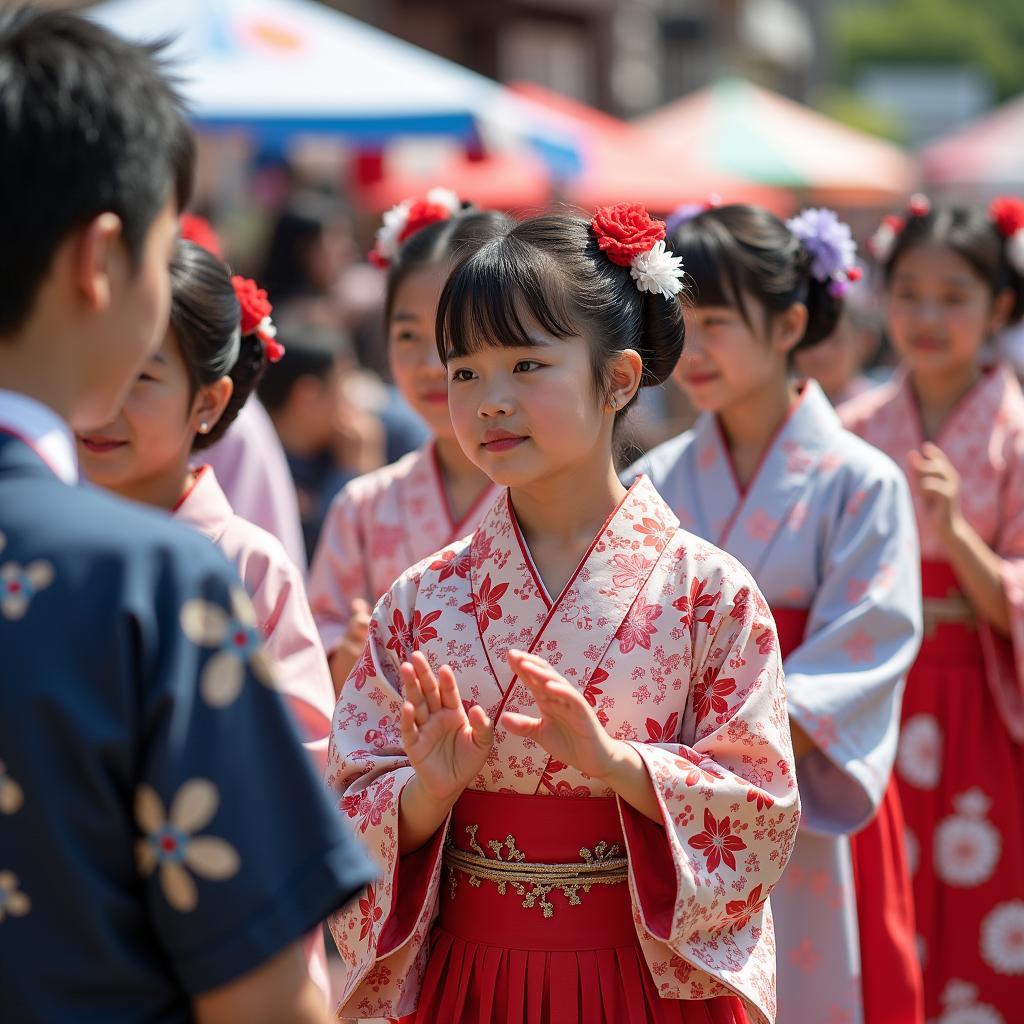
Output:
x,y
495,961
891,984
961,783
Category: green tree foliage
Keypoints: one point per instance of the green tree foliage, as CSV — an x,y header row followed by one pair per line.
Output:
x,y
987,34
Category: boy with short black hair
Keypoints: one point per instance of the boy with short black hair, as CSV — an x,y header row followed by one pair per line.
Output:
x,y
164,844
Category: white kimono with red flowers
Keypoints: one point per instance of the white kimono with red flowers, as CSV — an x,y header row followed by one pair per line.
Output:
x,y
379,525
699,694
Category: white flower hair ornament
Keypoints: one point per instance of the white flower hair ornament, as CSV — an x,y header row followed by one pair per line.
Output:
x,y
883,241
630,237
830,245
404,219
1007,214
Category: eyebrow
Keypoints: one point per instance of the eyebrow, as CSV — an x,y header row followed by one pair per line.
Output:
x,y
959,281
403,317
158,358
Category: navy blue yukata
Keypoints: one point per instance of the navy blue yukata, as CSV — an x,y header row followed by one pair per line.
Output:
x,y
162,831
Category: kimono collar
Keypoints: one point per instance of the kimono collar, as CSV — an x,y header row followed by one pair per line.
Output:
x,y
745,522
38,426
574,630
426,511
980,407
204,506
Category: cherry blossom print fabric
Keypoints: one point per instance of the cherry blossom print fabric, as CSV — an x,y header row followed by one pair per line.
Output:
x,y
699,696
378,526
826,526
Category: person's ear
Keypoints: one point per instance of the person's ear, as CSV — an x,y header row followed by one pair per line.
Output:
x,y
209,404
624,375
788,328
97,257
1002,308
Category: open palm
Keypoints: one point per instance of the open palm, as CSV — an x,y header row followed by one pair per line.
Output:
x,y
568,729
444,743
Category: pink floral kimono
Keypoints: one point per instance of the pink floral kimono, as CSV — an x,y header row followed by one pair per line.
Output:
x,y
672,644
378,526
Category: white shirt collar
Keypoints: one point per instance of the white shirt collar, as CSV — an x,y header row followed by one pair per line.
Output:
x,y
42,430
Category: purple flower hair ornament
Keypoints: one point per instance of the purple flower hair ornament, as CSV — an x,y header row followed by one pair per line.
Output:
x,y
830,245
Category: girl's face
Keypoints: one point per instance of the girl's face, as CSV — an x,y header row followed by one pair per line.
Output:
x,y
152,435
525,415
939,310
725,362
412,349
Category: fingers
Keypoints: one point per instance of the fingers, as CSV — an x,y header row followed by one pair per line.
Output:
x,y
413,693
521,725
483,729
427,680
407,727
449,688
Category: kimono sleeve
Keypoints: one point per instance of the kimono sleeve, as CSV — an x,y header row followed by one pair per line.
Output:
x,y
845,681
339,571
239,849
728,798
381,939
1004,658
294,648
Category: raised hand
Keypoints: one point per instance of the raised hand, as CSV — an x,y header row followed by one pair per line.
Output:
x,y
938,483
445,744
568,729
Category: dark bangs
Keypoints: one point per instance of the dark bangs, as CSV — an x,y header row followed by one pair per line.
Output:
x,y
714,265
497,294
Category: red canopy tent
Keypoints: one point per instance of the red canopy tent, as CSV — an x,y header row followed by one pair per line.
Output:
x,y
620,164
740,129
988,154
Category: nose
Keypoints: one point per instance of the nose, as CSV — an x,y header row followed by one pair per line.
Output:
x,y
496,402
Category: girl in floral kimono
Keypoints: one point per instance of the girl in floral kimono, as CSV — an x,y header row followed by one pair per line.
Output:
x,y
384,521
953,279
824,523
216,348
566,742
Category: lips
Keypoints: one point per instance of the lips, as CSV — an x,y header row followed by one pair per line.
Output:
x,y
699,379
927,344
99,445
501,440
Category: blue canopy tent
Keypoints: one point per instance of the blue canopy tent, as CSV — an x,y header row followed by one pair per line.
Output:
x,y
278,68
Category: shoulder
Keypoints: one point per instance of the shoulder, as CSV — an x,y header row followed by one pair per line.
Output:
x,y
859,463
660,461
258,555
696,557
83,524
856,412
372,487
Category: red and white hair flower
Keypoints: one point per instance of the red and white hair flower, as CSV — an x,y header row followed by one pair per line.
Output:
x,y
883,241
630,237
256,310
1007,213
409,216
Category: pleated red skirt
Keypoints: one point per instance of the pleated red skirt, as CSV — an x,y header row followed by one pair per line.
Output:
x,y
961,776
892,987
494,961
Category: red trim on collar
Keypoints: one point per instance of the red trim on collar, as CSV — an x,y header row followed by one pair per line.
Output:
x,y
199,473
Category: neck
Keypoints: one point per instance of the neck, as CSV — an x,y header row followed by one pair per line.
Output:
x,y
27,370
938,393
163,490
455,465
749,425
568,510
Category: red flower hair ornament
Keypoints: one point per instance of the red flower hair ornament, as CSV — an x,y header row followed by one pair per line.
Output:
x,y
630,237
256,309
407,218
1007,213
194,228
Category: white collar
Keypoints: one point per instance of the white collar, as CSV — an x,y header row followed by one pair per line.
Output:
x,y
39,427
